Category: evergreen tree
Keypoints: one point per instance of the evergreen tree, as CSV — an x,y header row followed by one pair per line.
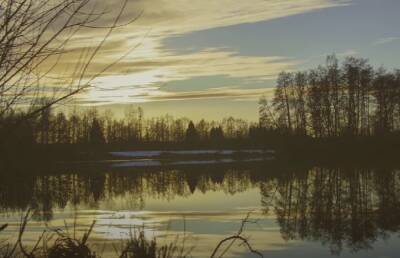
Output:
x,y
96,135
191,133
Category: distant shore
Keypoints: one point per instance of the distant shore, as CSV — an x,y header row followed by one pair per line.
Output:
x,y
361,150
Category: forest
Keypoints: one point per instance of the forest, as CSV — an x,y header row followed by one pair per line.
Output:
x,y
330,106
352,99
92,128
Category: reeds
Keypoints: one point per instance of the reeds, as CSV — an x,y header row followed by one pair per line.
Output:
x,y
60,243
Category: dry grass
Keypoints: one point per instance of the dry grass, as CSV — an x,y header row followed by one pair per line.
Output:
x,y
60,244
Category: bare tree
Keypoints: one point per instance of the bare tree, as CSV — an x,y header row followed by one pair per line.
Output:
x,y
266,113
34,36
336,91
283,99
300,102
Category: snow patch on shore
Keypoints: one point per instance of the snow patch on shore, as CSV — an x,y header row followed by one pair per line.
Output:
x,y
157,153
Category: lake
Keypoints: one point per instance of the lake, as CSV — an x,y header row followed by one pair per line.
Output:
x,y
312,211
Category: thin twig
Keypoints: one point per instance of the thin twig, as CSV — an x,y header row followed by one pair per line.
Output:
x,y
237,236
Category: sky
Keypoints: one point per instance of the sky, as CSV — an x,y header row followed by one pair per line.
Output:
x,y
213,59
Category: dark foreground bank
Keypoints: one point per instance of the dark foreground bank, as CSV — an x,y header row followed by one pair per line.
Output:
x,y
368,150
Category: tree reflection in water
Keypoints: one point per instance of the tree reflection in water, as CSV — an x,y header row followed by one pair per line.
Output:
x,y
342,208
339,207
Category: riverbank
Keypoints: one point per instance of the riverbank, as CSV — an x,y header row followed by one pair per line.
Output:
x,y
358,150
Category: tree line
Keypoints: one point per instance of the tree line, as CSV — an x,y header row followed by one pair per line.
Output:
x,y
333,100
95,128
352,98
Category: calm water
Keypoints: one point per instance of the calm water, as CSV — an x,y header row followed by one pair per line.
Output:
x,y
312,211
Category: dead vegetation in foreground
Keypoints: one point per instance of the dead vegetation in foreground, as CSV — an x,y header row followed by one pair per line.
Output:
x,y
59,243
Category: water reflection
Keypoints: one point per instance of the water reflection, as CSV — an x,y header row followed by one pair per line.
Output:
x,y
90,186
352,207
347,208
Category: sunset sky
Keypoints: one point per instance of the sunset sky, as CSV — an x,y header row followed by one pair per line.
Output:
x,y
213,59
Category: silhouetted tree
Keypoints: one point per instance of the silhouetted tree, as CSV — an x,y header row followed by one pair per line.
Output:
x,y
300,94
385,94
192,136
216,134
266,113
352,99
96,135
283,100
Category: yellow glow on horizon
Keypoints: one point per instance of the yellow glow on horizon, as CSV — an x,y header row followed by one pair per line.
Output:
x,y
138,79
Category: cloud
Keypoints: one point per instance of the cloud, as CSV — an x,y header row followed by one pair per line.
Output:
x,y
386,40
169,67
147,85
182,16
349,52
147,94
212,93
143,71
